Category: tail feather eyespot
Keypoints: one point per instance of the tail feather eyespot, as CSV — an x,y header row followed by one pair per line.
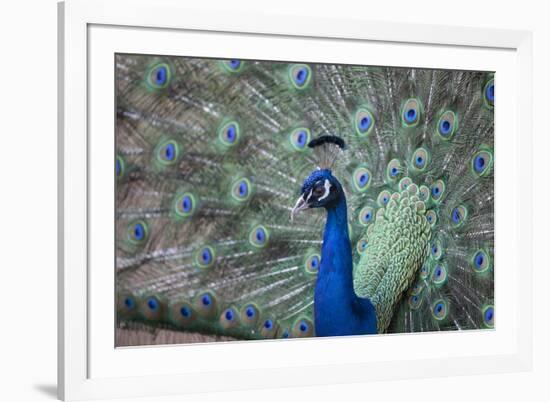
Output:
x,y
488,314
233,65
300,75
447,125
394,170
312,264
489,93
411,112
229,133
303,327
366,215
205,256
185,205
229,318
439,275
159,76
250,314
420,159
258,236
269,328
168,153
241,190
482,162
459,215
437,190
138,232
361,179
440,310
364,121
152,308
205,305
299,138
481,261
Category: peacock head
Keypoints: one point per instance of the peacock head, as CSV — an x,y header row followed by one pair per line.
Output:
x,y
320,189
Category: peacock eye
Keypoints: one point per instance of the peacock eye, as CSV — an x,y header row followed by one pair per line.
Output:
x,y
439,310
383,198
480,261
159,76
269,328
411,112
300,75
205,304
181,313
229,318
417,288
258,236
312,263
394,170
415,301
152,304
301,328
229,133
240,190
420,159
459,215
361,179
423,193
439,275
363,121
437,190
299,138
119,166
424,271
206,300
447,124
482,162
489,316
489,93
138,232
185,205
233,65
129,303
249,314
366,215
168,152
404,183
431,217
205,257
436,250
362,245
185,312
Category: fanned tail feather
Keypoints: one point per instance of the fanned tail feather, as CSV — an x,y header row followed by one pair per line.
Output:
x,y
210,158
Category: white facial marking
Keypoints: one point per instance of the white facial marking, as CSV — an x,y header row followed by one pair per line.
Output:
x,y
309,195
327,190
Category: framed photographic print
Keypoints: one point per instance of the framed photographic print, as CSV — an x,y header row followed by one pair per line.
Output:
x,y
240,193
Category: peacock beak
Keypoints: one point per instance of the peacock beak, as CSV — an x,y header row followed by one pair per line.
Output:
x,y
301,204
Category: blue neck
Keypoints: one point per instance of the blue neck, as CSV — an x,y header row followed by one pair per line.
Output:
x,y
336,254
338,310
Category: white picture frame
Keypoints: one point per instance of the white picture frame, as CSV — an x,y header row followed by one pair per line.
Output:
x,y
90,32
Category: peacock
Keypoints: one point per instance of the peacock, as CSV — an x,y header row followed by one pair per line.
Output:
x,y
267,199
